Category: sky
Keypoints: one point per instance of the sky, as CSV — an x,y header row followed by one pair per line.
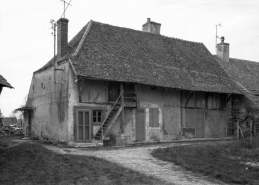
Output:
x,y
26,43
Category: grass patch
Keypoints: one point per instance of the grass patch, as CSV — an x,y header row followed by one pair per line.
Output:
x,y
30,163
221,161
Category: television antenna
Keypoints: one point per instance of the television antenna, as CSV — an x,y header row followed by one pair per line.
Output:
x,y
65,8
217,32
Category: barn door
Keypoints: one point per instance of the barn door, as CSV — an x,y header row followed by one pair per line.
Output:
x,y
83,125
140,125
200,123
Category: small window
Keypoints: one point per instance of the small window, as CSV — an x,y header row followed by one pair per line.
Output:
x,y
33,87
97,116
153,117
41,85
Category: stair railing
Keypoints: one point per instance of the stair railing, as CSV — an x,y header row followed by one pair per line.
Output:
x,y
110,112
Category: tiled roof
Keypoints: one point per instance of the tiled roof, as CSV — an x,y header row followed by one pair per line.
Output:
x,y
4,83
121,54
101,51
245,74
243,71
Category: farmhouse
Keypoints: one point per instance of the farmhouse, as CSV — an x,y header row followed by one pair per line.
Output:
x,y
130,86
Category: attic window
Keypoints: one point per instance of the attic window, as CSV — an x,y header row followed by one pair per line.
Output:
x,y
153,87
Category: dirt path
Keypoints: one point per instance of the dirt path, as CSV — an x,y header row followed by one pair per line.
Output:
x,y
140,159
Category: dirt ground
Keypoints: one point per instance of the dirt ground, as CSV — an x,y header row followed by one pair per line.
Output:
x,y
141,160
138,159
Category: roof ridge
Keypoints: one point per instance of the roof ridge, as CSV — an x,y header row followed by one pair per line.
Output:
x,y
179,39
244,60
83,38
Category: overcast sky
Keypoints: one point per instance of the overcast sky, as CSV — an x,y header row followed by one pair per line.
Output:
x,y
26,43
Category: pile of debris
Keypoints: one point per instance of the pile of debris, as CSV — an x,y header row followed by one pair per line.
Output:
x,y
10,129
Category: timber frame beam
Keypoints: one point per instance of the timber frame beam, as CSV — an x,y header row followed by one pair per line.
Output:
x,y
188,99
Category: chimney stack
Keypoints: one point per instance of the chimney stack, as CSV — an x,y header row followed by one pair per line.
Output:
x,y
151,27
223,50
62,37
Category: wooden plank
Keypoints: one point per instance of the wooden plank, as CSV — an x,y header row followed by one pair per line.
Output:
x,y
140,125
155,117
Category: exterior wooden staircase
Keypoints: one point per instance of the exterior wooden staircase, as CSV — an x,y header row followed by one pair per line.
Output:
x,y
109,120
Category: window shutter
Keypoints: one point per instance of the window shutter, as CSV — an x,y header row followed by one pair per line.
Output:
x,y
153,117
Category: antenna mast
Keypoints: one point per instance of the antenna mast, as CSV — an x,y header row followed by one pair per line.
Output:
x,y
53,27
217,34
65,8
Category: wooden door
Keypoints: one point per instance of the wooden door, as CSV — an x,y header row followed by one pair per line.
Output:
x,y
83,125
113,91
140,125
200,123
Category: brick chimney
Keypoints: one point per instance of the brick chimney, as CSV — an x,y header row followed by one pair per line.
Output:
x,y
151,27
62,37
223,50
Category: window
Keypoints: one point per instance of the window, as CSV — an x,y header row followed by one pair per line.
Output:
x,y
153,117
97,116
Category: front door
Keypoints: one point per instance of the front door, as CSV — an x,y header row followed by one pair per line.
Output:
x,y
140,125
83,125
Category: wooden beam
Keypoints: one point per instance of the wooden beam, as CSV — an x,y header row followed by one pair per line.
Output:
x,y
165,92
228,98
238,129
122,105
80,88
188,99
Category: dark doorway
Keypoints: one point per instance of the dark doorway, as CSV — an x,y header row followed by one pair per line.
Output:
x,y
113,91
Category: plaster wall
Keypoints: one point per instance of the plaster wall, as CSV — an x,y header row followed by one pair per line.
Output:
x,y
149,97
172,118
50,100
94,91
216,123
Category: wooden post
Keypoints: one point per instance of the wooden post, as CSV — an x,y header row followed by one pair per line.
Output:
x,y
238,129
254,129
122,112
